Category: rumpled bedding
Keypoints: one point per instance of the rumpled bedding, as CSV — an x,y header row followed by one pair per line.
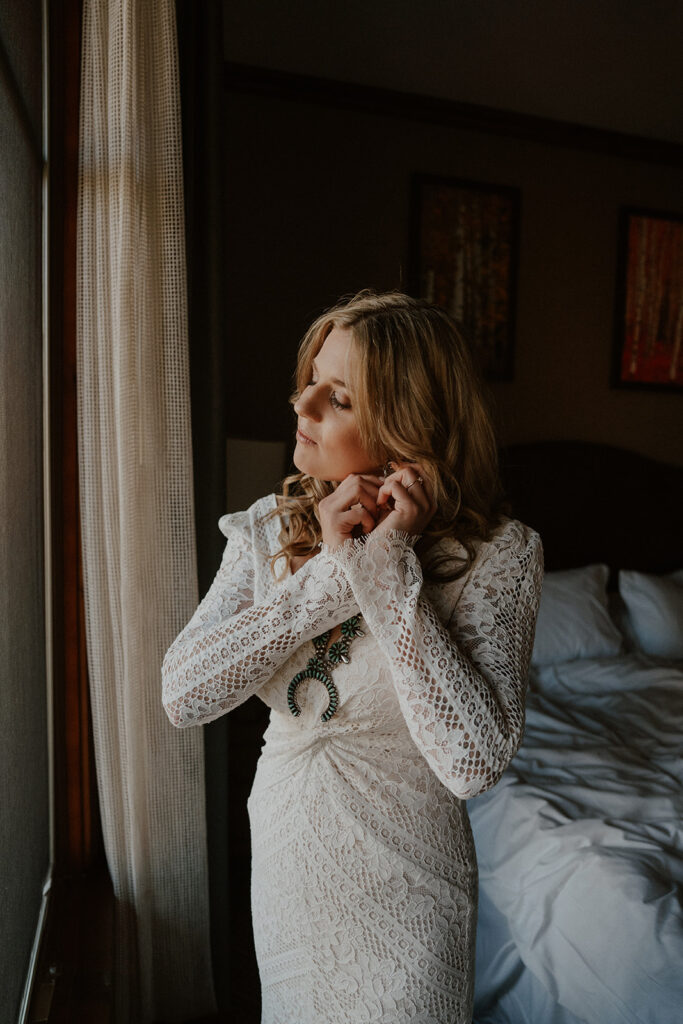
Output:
x,y
580,849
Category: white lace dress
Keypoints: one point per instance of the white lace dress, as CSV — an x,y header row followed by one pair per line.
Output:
x,y
364,877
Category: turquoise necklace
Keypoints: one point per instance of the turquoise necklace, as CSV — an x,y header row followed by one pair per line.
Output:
x,y
320,666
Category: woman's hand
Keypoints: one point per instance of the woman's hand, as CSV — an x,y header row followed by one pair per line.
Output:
x,y
351,509
404,501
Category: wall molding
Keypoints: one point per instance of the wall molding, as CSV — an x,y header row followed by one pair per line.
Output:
x,y
259,81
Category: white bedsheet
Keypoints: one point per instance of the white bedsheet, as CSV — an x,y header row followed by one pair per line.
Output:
x,y
580,845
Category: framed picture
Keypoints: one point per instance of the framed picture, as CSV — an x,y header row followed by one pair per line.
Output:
x,y
648,348
465,242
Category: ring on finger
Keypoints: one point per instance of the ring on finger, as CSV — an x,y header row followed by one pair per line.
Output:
x,y
417,480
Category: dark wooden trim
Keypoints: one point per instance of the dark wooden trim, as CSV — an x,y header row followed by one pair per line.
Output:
x,y
73,979
78,842
243,78
200,54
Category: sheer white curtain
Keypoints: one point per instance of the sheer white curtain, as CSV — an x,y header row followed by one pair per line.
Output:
x,y
136,502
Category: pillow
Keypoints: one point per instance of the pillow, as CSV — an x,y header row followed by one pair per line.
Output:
x,y
573,618
618,613
654,606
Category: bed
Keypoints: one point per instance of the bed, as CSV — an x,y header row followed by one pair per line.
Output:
x,y
580,845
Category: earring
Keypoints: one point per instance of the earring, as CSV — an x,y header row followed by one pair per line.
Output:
x,y
387,468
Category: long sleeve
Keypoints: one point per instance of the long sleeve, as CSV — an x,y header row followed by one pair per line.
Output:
x,y
231,646
461,686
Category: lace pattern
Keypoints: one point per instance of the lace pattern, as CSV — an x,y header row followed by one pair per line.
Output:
x,y
231,645
461,686
363,865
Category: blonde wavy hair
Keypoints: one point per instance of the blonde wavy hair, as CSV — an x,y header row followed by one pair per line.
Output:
x,y
417,398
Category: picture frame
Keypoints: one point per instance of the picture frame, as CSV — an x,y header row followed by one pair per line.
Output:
x,y
464,257
648,341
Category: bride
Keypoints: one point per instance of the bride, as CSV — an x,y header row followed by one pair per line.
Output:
x,y
384,608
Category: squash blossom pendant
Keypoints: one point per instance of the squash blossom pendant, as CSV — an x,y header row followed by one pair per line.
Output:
x,y
320,665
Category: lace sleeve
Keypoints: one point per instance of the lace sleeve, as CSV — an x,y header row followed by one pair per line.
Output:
x,y
461,686
231,647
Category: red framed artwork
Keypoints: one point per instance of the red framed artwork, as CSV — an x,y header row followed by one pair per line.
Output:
x,y
648,349
464,254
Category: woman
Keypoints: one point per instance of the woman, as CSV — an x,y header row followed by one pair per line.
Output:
x,y
393,653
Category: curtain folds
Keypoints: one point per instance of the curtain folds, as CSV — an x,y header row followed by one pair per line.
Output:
x,y
137,526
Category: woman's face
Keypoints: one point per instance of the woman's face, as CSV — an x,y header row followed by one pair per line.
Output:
x,y
328,444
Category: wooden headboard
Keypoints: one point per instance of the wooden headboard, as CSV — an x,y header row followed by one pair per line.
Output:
x,y
595,503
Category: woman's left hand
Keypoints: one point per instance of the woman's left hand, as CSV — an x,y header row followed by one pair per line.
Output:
x,y
404,501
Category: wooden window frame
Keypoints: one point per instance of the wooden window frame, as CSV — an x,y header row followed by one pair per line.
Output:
x,y
73,980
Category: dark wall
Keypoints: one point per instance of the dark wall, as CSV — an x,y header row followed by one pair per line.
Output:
x,y
608,63
317,205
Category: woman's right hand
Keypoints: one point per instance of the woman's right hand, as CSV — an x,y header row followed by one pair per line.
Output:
x,y
351,509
